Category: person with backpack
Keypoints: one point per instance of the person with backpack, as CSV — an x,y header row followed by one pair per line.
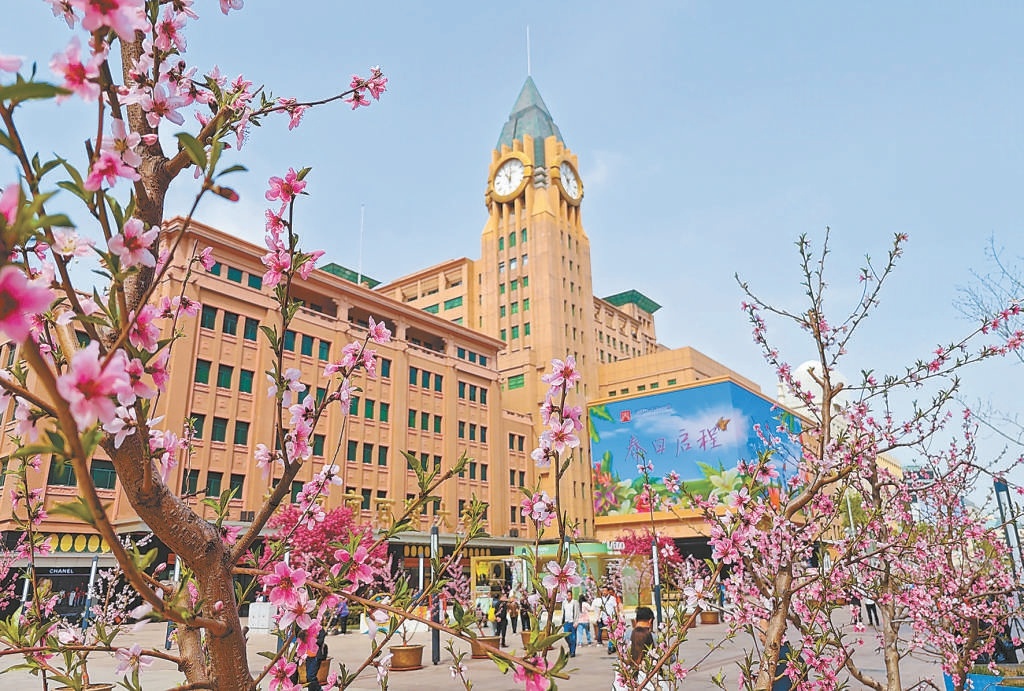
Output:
x,y
341,617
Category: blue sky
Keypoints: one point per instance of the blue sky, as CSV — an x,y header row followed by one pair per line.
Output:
x,y
709,137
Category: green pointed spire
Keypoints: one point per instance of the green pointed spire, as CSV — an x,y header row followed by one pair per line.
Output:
x,y
530,116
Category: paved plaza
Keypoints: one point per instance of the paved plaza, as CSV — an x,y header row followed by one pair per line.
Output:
x,y
591,669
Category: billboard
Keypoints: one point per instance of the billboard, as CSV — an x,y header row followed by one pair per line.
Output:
x,y
697,434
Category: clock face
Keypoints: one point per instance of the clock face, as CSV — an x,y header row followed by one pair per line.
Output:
x,y
570,183
509,177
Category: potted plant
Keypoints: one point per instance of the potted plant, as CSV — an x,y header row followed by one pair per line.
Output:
x,y
407,656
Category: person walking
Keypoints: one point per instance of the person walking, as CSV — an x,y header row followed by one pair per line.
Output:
x,y
871,609
609,615
501,618
570,618
513,612
524,612
583,621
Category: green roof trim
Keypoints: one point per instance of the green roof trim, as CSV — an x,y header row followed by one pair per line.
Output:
x,y
634,297
530,116
349,275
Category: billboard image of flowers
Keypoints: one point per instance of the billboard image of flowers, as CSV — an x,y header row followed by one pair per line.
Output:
x,y
691,439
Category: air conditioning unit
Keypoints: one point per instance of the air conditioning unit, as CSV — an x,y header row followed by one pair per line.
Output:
x,y
513,532
247,516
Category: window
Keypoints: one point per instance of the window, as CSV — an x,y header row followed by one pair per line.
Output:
x,y
453,303
241,432
425,379
438,380
198,422
202,372
214,479
307,345
526,329
368,409
516,381
325,350
641,387
219,431
526,281
515,332
472,431
296,488
512,239
237,483
512,263
437,424
511,446
432,309
224,374
483,361
319,441
515,308
413,376
461,352
385,368
501,243
501,311
483,434
504,335
671,382
255,281
501,268
514,285
61,473
208,319
424,421
654,385
353,446
483,472
353,405
289,340
103,475
472,392
522,235
462,429
382,455
251,329
412,419
234,274
385,408
367,454
321,394
230,323
522,473
501,289
190,482
245,378
472,470
215,269
462,389
526,260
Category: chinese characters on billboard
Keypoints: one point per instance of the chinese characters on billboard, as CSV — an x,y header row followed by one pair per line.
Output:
x,y
693,438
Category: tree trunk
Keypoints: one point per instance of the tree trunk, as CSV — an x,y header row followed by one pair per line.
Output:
x,y
775,632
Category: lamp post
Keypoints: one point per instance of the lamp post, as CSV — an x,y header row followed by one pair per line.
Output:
x,y
88,593
657,576
435,634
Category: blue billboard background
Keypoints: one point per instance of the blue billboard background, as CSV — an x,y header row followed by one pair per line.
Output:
x,y
700,432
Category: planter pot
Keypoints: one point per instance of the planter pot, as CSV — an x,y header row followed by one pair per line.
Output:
x,y
405,658
479,653
321,674
526,637
709,617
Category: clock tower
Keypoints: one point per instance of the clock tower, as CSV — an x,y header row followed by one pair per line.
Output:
x,y
534,279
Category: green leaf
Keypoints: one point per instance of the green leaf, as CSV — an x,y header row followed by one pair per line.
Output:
x,y
195,150
76,509
232,169
26,91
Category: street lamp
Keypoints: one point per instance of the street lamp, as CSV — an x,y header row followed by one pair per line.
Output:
x,y
657,576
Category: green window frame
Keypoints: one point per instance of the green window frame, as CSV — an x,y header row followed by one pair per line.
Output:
x,y
412,419
453,303
501,243
504,335
515,332
472,393
514,308
472,431
483,396
241,432
385,410
368,408
202,374
385,368
472,470
671,382
514,285
516,381
198,422
190,481
245,379
103,474
462,389
526,328
307,345
224,375
522,236
526,281
512,239
462,429
432,309
236,484
62,474
325,350
437,424
251,330
368,454
296,489
215,269
461,353
289,340
526,304
413,376
483,435
255,281
438,382
501,289
424,421
501,311
219,429
382,455
424,379
234,275
483,472
214,480
319,441
353,449
208,317
321,394
229,324
353,405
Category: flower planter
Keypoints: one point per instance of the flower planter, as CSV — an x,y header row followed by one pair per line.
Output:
x,y
321,674
405,658
526,637
709,617
479,652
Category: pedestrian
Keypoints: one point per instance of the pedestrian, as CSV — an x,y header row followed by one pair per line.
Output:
x,y
524,612
641,640
314,663
855,607
341,614
583,621
501,618
609,616
513,611
871,609
570,617
597,607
